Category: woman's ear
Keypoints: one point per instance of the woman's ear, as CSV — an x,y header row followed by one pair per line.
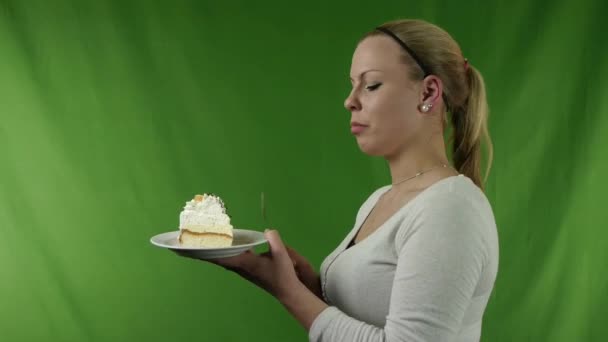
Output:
x,y
431,91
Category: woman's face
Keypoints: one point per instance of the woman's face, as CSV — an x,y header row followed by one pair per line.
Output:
x,y
383,101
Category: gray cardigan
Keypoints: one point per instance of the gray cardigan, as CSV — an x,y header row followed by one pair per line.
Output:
x,y
426,274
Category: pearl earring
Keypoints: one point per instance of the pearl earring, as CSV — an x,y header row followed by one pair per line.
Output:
x,y
426,107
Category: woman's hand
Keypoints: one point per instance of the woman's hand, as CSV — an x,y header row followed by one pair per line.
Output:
x,y
306,273
273,271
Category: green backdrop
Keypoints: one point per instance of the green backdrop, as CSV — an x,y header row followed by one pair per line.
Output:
x,y
114,113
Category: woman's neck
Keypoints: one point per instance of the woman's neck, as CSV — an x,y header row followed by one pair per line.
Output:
x,y
408,163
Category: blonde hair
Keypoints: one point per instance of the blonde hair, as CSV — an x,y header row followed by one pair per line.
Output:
x,y
464,90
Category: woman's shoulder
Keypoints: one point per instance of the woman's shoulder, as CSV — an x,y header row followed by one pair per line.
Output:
x,y
458,191
456,202
453,209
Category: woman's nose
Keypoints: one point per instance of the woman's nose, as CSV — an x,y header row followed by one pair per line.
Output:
x,y
352,103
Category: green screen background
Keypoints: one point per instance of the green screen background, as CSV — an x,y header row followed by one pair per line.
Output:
x,y
114,113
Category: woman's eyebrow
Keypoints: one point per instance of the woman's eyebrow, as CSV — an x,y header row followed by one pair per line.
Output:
x,y
363,73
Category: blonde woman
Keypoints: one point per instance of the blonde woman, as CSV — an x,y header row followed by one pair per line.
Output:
x,y
421,260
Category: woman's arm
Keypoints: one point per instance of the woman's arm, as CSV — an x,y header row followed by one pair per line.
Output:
x,y
306,273
438,267
303,305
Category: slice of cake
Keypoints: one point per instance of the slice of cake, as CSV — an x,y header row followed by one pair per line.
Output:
x,y
204,223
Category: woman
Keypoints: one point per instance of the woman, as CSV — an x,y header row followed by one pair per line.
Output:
x,y
421,260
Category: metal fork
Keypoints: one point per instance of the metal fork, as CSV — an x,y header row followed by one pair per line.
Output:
x,y
263,202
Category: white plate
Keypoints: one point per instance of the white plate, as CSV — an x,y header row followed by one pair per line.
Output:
x,y
243,240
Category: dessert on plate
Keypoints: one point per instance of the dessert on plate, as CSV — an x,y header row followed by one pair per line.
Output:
x,y
204,223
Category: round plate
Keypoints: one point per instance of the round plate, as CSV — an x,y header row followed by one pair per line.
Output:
x,y
243,240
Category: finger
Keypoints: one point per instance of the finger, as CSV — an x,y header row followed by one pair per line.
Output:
x,y
236,262
291,251
277,247
292,255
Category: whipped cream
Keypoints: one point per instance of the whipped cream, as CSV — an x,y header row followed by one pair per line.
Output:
x,y
204,211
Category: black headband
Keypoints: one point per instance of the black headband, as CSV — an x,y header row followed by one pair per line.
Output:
x,y
407,48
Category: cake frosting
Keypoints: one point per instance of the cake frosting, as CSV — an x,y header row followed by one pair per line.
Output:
x,y
204,223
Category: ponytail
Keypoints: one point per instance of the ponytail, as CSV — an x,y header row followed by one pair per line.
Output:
x,y
470,130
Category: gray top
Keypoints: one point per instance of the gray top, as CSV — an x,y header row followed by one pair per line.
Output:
x,y
426,274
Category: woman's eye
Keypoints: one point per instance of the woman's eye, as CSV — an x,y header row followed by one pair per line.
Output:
x,y
373,86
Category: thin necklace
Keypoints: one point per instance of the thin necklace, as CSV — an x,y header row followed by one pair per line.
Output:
x,y
419,173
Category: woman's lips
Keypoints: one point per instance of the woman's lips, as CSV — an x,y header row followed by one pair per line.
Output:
x,y
356,128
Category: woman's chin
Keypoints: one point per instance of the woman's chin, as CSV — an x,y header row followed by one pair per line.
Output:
x,y
369,149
